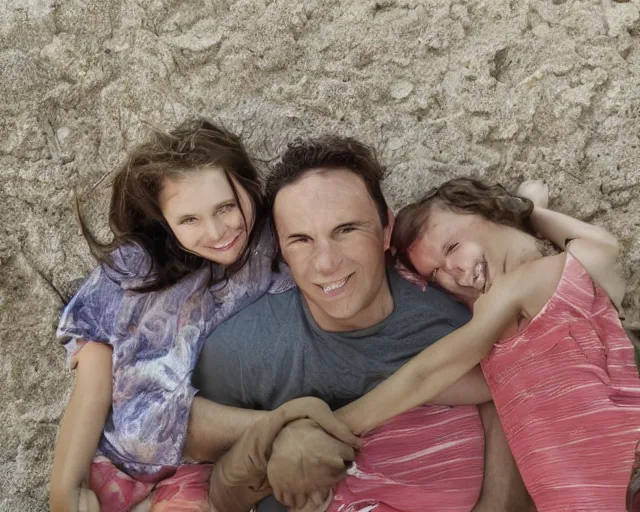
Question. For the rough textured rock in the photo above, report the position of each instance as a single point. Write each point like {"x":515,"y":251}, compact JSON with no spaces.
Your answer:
{"x":501,"y":89}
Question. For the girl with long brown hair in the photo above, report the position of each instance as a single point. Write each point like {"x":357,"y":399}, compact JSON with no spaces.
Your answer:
{"x":190,"y":247}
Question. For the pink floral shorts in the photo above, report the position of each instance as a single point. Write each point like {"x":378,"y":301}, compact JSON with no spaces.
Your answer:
{"x":184,"y":488}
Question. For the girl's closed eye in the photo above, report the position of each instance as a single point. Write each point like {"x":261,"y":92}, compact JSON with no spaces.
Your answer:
{"x":451,"y":247}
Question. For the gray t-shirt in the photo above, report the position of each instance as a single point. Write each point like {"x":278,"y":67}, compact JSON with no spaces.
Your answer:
{"x":273,"y":350}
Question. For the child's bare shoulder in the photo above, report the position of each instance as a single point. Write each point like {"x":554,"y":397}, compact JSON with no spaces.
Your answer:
{"x":599,"y":259}
{"x":539,"y":280}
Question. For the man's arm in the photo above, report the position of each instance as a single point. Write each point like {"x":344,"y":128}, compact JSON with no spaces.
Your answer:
{"x":502,"y":487}
{"x":213,"y":428}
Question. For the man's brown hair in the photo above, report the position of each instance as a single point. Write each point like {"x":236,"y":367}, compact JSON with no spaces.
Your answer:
{"x":329,"y":153}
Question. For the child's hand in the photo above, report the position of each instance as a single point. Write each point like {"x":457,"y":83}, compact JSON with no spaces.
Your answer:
{"x":505,"y":294}
{"x":88,"y":501}
{"x":535,"y":190}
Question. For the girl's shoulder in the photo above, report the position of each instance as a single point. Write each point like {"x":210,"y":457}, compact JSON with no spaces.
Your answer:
{"x":131,"y":267}
{"x":599,"y":259}
{"x":541,"y":277}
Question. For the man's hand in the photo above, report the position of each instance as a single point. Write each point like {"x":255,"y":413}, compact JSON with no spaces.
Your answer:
{"x":239,"y":478}
{"x":307,"y":462}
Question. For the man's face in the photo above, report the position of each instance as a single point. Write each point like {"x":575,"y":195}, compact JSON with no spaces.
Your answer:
{"x":331,"y":236}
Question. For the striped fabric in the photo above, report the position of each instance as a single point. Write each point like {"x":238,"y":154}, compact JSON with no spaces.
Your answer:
{"x":428,"y":459}
{"x":568,"y":395}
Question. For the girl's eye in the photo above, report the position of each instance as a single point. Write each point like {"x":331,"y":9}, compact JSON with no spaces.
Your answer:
{"x":188,"y":220}
{"x":226,"y":208}
{"x":452,"y":247}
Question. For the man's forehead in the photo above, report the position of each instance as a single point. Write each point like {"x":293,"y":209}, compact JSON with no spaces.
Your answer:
{"x":331,"y":181}
{"x":336,"y":195}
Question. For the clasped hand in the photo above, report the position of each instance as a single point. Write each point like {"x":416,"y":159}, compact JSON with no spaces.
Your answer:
{"x":301,"y":447}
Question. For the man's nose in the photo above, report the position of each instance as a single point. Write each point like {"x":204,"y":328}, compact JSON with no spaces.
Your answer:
{"x":327,"y":257}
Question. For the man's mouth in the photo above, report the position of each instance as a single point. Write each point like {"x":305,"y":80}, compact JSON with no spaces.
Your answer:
{"x":335,"y":287}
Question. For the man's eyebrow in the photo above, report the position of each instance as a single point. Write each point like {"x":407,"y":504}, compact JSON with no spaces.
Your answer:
{"x":353,"y":224}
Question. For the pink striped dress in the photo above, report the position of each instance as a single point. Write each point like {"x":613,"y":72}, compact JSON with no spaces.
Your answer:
{"x":428,"y":459}
{"x":568,"y":394}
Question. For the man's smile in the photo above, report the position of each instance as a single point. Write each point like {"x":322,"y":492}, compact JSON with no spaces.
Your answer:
{"x":335,"y":287}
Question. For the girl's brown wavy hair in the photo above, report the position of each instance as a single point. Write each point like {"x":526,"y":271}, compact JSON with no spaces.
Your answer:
{"x":135,"y":216}
{"x":460,"y":195}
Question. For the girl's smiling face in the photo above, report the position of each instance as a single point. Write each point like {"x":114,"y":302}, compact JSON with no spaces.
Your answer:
{"x":204,"y":215}
{"x":453,"y":250}
{"x":463,"y":253}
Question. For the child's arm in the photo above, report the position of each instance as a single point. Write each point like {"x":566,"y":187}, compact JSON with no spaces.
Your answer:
{"x":557,"y":227}
{"x":81,"y":427}
{"x":443,"y":363}
{"x":593,"y":246}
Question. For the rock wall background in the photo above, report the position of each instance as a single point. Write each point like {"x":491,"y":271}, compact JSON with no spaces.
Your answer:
{"x":500,"y":89}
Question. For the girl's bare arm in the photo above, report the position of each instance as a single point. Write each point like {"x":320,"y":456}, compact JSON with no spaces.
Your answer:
{"x":437,"y":367}
{"x":81,"y":427}
{"x":560,"y":228}
{"x":557,"y":227}
{"x":593,"y":246}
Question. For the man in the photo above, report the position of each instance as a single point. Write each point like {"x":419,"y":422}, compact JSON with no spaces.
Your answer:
{"x":351,"y":322}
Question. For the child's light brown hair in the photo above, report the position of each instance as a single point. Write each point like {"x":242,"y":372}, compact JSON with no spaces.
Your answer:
{"x":460,"y":195}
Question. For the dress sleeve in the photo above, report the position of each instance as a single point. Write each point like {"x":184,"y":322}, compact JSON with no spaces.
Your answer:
{"x":89,"y":316}
{"x":94,"y":312}
{"x":282,"y":280}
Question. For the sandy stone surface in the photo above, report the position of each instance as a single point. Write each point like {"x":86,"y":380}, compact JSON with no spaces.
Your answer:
{"x":499,"y":89}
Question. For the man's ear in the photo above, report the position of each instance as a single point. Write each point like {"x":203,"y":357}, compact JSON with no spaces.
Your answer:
{"x":389,"y":229}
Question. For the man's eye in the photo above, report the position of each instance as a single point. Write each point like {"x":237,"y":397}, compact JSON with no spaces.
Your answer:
{"x":347,"y":229}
